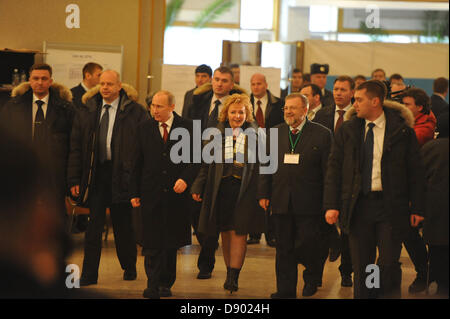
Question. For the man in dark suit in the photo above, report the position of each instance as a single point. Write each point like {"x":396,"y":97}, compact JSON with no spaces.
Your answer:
{"x":203,"y":74}
{"x":91,"y":77}
{"x":40,"y":113}
{"x":332,"y":117}
{"x":208,"y":101}
{"x":438,"y":103}
{"x":319,"y":77}
{"x":268,"y":112}
{"x":295,"y":194}
{"x":297,"y":83}
{"x":100,"y":163}
{"x":375,"y":186}
{"x":160,"y":185}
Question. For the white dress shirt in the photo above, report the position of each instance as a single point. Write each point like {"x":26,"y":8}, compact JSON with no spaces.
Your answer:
{"x":378,"y":139}
{"x":312,"y":112}
{"x":169,"y":123}
{"x":35,"y":109}
{"x":336,"y":114}
{"x":112,"y":118}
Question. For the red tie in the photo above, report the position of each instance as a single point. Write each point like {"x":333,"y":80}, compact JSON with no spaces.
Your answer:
{"x":166,"y":134}
{"x":259,"y":115}
{"x":340,"y":120}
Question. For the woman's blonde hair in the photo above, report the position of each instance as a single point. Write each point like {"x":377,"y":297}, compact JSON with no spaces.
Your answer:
{"x":237,"y":99}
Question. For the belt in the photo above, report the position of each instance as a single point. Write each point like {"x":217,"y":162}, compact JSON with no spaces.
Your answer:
{"x":374,"y":195}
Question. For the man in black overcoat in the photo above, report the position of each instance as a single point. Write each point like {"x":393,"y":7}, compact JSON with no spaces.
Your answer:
{"x":295,"y":193}
{"x":159,"y":184}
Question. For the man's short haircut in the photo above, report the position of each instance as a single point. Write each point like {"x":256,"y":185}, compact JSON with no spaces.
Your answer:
{"x":346,"y":78}
{"x":297,"y":71}
{"x":378,"y":70}
{"x":224,"y":69}
{"x":170,"y":96}
{"x":420,"y":98}
{"x":440,"y":85}
{"x":203,"y":68}
{"x":395,"y":76}
{"x":374,"y":88}
{"x":41,"y":66}
{"x":314,"y":88}
{"x":359,"y":77}
{"x":300,"y":96}
{"x":234,"y":66}
{"x":90,"y":68}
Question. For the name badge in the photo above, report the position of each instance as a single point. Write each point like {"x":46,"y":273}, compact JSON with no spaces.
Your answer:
{"x":291,"y":158}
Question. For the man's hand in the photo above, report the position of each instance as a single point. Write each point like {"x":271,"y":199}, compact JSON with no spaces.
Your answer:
{"x":135,"y":202}
{"x":180,"y":186}
{"x":331,"y":216}
{"x":264,"y":203}
{"x":196,"y":197}
{"x":415,"y":220}
{"x":75,"y":191}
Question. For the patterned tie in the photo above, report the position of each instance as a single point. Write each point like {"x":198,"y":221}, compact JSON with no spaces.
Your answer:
{"x":259,"y":115}
{"x":165,"y":133}
{"x":368,"y":161}
{"x":39,"y":128}
{"x":103,"y":134}
{"x":294,"y":131}
{"x":212,"y":119}
{"x":340,"y":120}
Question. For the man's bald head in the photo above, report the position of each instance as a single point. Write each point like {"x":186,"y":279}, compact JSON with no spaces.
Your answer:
{"x":110,"y":85}
{"x":258,"y":85}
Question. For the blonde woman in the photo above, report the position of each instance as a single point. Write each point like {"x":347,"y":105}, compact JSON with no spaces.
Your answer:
{"x":227,"y":189}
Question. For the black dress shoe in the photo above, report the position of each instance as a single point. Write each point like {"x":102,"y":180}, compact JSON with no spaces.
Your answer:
{"x":165,"y":292}
{"x":129,"y":275}
{"x":309,"y":290}
{"x":151,"y":294}
{"x":204,"y":275}
{"x":419,"y":284}
{"x":278,"y":295}
{"x":346,"y":281}
{"x":87,"y":281}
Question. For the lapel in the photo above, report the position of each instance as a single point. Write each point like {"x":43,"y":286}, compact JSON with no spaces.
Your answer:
{"x":283,"y":138}
{"x":52,"y":111}
{"x":304,"y":138}
{"x":268,"y":108}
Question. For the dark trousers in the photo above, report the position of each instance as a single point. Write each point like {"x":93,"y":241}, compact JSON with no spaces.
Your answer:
{"x":208,"y":244}
{"x":370,"y":229}
{"x":346,"y":267}
{"x":269,"y":228}
{"x":439,"y":267}
{"x":99,"y":200}
{"x":161,"y":268}
{"x":417,"y":251}
{"x":299,"y":239}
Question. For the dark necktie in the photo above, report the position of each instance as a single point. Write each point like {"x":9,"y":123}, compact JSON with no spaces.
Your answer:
{"x":103,"y":134}
{"x":340,"y":120}
{"x":212,"y":120}
{"x":368,"y":161}
{"x":39,"y":128}
{"x":166,"y":134}
{"x":259,"y":115}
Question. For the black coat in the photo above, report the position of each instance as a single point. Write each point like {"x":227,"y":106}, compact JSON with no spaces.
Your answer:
{"x":301,"y":184}
{"x":325,"y":116}
{"x":273,"y":114}
{"x":188,"y":100}
{"x":327,"y":99}
{"x":83,"y":143}
{"x":438,"y":105}
{"x":435,"y":158}
{"x":77,"y":93}
{"x":402,"y":172}
{"x":166,"y":219}
{"x":248,"y":215}
{"x":16,"y":117}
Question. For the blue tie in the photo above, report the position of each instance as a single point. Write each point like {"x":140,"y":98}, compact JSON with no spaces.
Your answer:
{"x":368,"y":161}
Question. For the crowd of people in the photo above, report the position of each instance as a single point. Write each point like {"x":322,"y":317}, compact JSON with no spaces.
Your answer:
{"x":361,"y":168}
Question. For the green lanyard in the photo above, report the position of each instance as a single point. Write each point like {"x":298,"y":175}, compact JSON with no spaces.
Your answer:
{"x":293,"y":145}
